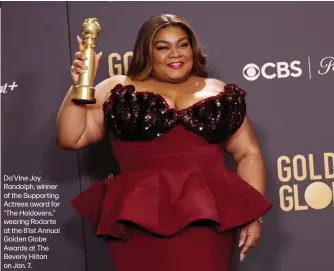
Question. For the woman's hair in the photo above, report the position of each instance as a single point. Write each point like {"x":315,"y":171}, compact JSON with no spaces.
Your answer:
{"x":141,"y":64}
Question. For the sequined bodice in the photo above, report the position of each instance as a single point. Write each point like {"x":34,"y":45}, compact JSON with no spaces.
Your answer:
{"x":169,"y":177}
{"x":142,"y":116}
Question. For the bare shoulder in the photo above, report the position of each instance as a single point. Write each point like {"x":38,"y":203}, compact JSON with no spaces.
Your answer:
{"x":103,"y":88}
{"x":215,"y":84}
{"x":112,"y":81}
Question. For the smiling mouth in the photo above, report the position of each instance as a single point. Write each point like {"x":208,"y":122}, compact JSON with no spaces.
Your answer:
{"x":175,"y":65}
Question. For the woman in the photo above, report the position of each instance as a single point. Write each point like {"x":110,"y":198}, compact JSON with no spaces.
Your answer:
{"x":174,"y":206}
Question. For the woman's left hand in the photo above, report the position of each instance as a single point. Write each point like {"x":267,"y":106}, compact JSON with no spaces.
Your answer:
{"x":249,"y":237}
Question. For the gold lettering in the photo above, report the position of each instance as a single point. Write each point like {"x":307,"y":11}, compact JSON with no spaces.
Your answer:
{"x":311,"y":167}
{"x":333,"y":192}
{"x":113,"y":66}
{"x":286,"y":201}
{"x":298,"y":207}
{"x":126,"y":61}
{"x":286,"y":169}
{"x":327,"y":157}
{"x":296,"y":172}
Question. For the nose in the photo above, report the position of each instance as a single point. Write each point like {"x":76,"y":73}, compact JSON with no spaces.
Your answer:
{"x":175,"y":52}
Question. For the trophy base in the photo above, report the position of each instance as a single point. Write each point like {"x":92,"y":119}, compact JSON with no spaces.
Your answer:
{"x":83,"y":95}
{"x":83,"y":101}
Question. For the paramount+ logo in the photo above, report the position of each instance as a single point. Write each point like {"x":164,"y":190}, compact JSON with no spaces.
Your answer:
{"x":272,"y":70}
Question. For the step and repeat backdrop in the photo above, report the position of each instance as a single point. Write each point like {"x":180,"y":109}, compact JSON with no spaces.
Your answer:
{"x":281,"y":53}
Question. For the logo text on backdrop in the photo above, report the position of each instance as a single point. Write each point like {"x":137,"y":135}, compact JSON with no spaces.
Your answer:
{"x":304,"y":186}
{"x":119,"y":64}
{"x":272,"y":70}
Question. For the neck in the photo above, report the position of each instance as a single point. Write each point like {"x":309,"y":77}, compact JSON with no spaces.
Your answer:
{"x":181,"y":81}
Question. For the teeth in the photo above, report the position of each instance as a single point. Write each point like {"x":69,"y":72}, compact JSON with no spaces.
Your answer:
{"x":176,"y":64}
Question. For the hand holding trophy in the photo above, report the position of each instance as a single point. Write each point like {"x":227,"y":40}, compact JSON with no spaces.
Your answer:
{"x":84,"y":68}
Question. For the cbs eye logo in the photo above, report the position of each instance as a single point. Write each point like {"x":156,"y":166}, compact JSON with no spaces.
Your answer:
{"x":271,"y":70}
{"x":251,"y":72}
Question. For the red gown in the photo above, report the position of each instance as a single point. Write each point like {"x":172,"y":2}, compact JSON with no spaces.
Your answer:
{"x":174,"y":206}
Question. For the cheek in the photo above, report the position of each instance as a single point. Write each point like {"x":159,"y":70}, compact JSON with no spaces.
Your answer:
{"x":189,"y":55}
{"x":158,"y":59}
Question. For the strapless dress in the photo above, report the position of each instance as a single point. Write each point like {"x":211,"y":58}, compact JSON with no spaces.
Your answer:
{"x":174,"y":205}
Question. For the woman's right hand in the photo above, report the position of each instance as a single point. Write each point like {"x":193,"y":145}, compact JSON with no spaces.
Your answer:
{"x":78,"y":65}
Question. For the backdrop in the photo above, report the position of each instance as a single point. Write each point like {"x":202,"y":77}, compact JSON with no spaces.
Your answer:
{"x":281,"y":53}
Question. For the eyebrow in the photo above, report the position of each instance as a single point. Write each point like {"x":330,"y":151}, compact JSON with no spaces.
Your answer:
{"x":165,"y":41}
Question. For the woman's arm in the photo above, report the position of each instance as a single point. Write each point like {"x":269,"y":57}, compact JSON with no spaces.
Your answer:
{"x":80,"y":125}
{"x":246,"y":153}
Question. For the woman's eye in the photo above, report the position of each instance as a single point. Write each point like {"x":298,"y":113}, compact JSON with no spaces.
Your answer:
{"x":162,"y":48}
{"x":184,"y":44}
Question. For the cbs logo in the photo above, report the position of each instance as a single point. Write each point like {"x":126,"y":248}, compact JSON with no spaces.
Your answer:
{"x":271,"y":70}
{"x":119,"y":64}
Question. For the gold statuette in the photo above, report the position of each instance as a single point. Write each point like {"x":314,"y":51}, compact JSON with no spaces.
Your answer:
{"x":84,"y":92}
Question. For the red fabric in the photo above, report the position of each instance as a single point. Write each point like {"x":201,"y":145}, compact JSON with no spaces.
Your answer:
{"x":167,"y":184}
{"x":196,"y":248}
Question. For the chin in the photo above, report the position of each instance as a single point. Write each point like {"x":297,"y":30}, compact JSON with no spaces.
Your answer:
{"x":178,"y":77}
{"x":172,"y":77}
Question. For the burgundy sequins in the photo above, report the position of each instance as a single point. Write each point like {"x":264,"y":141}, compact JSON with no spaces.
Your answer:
{"x":143,"y":116}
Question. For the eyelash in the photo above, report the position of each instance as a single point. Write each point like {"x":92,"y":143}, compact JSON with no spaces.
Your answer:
{"x":165,"y":47}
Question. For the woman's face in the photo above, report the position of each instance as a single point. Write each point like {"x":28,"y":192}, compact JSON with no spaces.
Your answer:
{"x":172,"y":55}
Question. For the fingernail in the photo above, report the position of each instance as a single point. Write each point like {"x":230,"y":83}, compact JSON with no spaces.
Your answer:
{"x":100,"y":54}
{"x":242,"y":257}
{"x":241,"y":243}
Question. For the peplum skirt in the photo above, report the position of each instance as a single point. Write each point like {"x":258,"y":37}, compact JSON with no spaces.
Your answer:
{"x":171,"y":220}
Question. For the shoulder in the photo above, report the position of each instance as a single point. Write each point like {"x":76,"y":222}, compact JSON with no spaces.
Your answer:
{"x":215,"y":84}
{"x":104,"y":87}
{"x":112,"y":81}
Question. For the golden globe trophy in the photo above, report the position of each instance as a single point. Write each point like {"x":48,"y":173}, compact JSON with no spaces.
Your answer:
{"x":84,"y":92}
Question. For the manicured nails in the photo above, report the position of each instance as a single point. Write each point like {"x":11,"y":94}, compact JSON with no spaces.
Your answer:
{"x":242,"y":257}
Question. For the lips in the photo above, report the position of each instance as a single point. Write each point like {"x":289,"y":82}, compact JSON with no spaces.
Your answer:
{"x":175,"y":65}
